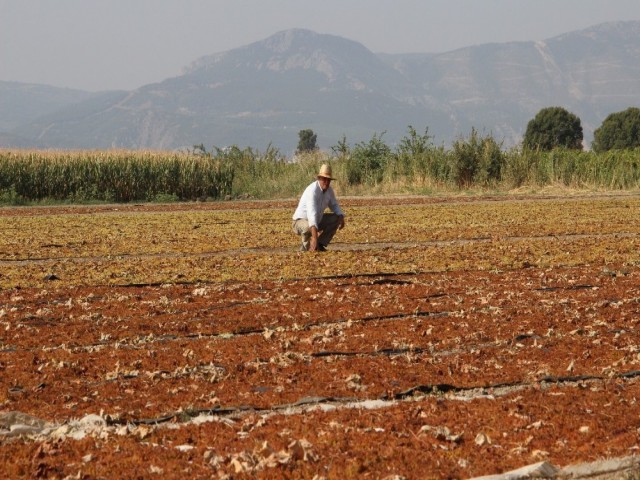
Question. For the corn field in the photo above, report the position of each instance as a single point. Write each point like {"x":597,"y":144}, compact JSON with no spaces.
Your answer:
{"x":111,"y":176}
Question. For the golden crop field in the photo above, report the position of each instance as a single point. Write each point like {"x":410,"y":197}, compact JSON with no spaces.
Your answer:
{"x":149,"y":244}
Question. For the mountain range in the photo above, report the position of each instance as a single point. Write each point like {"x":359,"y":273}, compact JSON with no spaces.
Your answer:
{"x":264,"y":93}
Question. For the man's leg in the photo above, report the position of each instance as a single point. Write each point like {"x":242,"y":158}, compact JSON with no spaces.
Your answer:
{"x":301,"y":227}
{"x":329,"y":226}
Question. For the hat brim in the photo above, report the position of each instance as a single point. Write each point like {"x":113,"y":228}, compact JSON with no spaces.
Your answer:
{"x":325,"y":176}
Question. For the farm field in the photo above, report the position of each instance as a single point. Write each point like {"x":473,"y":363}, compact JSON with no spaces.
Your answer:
{"x":439,"y":337}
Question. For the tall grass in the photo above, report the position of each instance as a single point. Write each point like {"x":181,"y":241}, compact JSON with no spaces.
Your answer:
{"x":613,"y":170}
{"x":414,"y":166}
{"x":268,"y":174}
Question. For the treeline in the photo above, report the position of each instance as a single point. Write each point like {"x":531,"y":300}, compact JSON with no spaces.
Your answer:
{"x":414,"y":165}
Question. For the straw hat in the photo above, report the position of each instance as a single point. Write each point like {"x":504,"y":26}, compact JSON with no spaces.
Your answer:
{"x":325,"y":171}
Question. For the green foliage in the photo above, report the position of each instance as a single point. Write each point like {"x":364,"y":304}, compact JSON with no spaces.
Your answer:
{"x":561,"y":166}
{"x":307,"y":141}
{"x":619,"y":131}
{"x":255,"y":174}
{"x":416,"y":159}
{"x":8,"y":196}
{"x":612,"y":170}
{"x":415,"y":144}
{"x":341,"y":149}
{"x":518,"y":167}
{"x":415,"y":166}
{"x":553,"y":127}
{"x":476,"y":160}
{"x":367,"y":161}
{"x":412,"y":150}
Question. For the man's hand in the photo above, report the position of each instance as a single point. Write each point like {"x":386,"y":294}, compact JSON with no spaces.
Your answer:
{"x":313,"y":242}
{"x":341,"y":223}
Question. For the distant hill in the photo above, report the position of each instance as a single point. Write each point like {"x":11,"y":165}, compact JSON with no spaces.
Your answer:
{"x":267,"y":91}
{"x":23,"y":102}
{"x":8,"y":140}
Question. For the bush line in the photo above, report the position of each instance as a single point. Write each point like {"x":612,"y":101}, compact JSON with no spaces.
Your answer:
{"x":415,"y":165}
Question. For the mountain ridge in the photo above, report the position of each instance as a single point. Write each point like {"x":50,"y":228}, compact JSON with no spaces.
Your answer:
{"x":265,"y":92}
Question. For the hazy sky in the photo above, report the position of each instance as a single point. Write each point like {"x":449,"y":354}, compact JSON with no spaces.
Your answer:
{"x":123,"y":44}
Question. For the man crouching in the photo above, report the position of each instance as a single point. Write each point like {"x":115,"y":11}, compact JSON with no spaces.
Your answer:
{"x":316,"y":227}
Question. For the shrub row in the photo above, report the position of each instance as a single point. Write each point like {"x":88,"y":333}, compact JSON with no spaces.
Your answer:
{"x":480,"y":162}
{"x":415,"y":165}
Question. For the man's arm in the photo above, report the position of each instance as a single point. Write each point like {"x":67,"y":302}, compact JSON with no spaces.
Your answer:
{"x":313,"y":242}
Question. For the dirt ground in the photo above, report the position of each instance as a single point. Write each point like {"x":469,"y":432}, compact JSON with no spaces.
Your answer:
{"x":451,"y":372}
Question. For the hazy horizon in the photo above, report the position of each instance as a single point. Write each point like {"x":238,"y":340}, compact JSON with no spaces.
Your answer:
{"x":123,"y":44}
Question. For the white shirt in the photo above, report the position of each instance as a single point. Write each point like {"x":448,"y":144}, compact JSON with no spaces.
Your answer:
{"x":314,"y":202}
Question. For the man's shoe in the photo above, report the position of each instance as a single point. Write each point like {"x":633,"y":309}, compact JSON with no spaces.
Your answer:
{"x":321,"y":248}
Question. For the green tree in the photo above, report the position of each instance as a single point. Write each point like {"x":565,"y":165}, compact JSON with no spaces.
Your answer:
{"x":619,"y":131}
{"x":367,"y":161}
{"x":341,"y":150}
{"x":307,"y":141}
{"x":477,"y":159}
{"x":553,"y":127}
{"x":415,"y":144}
{"x":413,"y":153}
